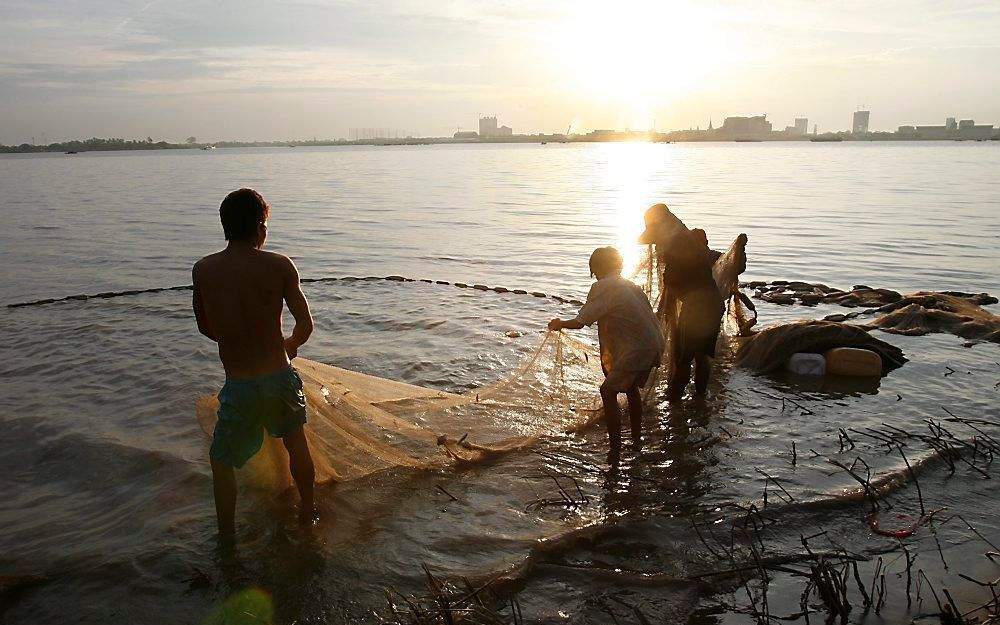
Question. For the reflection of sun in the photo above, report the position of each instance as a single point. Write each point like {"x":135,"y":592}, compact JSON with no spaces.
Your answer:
{"x":630,"y":169}
{"x":637,"y":55}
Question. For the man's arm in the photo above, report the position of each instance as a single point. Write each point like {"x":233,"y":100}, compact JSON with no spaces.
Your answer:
{"x":568,"y":324}
{"x":199,"y":308}
{"x":295,"y":299}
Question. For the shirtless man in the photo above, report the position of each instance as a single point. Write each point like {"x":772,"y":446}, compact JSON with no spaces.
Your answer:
{"x":238,"y":295}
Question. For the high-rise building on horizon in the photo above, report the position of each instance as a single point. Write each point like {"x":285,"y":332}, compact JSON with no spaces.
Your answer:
{"x":488,"y":126}
{"x":801,"y":125}
{"x":745,"y":126}
{"x":966,"y":129}
{"x":860,"y":125}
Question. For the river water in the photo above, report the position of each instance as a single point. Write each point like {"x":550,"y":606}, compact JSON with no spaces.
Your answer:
{"x":106,"y":488}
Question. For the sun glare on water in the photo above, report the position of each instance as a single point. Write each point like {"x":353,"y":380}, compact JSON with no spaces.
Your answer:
{"x":630,"y":171}
{"x":637,"y":56}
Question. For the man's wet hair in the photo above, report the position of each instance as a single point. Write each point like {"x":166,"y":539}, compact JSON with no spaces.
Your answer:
{"x":605,"y":260}
{"x":242,"y":212}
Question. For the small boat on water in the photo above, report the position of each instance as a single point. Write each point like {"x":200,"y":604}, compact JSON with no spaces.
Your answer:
{"x":72,"y":152}
{"x":826,"y":139}
{"x":208,"y":147}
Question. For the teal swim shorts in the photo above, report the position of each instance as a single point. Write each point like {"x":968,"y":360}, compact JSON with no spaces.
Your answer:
{"x":246,"y":407}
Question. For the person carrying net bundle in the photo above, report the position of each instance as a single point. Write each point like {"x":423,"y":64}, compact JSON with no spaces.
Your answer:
{"x":631,"y":342}
{"x":689,"y":285}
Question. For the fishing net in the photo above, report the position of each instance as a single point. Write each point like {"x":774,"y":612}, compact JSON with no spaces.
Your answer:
{"x":916,"y":314}
{"x":769,"y":349}
{"x":650,"y":271}
{"x":741,"y":314}
{"x":956,"y":313}
{"x":359,"y":424}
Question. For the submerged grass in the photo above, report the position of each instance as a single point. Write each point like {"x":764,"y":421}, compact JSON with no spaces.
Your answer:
{"x":449,"y":604}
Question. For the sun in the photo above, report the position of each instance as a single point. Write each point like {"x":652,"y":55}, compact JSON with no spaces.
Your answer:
{"x":637,"y":56}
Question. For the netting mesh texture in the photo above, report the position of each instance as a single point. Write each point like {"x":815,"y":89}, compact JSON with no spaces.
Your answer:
{"x":359,"y":424}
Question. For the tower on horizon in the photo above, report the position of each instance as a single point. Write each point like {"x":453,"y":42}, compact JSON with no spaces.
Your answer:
{"x":488,"y":126}
{"x":860,"y":125}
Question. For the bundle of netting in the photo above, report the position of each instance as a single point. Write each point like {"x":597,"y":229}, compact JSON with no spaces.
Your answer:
{"x":359,"y":424}
{"x":956,"y":313}
{"x":769,"y":349}
{"x":741,"y":314}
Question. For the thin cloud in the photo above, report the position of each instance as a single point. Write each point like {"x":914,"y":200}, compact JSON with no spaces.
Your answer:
{"x":455,"y":58}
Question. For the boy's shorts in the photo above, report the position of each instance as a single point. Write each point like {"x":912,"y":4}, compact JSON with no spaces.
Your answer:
{"x":246,"y":407}
{"x":623,"y":381}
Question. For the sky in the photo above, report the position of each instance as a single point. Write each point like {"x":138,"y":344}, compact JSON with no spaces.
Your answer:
{"x":252,"y":70}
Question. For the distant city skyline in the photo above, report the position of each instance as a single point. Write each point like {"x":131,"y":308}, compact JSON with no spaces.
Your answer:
{"x":732,"y":127}
{"x":270,"y":71}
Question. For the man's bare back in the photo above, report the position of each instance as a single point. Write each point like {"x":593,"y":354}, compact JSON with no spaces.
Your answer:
{"x":238,"y":298}
{"x":239,"y":293}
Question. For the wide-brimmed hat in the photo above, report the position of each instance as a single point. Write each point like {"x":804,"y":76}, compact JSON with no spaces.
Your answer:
{"x":655,"y":214}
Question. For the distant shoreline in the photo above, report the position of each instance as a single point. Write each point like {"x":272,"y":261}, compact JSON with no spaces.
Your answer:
{"x":117,"y":145}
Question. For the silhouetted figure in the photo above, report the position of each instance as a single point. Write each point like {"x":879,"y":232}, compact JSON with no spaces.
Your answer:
{"x":687,"y":283}
{"x":630,"y":340}
{"x":238,"y":297}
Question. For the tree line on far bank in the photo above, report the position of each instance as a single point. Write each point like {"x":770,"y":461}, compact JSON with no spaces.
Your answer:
{"x":96,"y":145}
{"x":104,"y":145}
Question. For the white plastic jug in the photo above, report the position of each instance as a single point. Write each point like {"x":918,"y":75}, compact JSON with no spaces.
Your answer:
{"x":807,"y":364}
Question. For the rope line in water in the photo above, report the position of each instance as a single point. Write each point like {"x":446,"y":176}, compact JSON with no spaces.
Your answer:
{"x":188,"y":287}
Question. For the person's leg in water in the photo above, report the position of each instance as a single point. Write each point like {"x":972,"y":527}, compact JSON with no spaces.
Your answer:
{"x":224,"y":487}
{"x":702,"y":373}
{"x":635,"y":415}
{"x":612,"y":418}
{"x":303,"y":472}
{"x":679,"y":377}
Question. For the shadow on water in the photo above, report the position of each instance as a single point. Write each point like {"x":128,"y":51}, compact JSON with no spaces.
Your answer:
{"x":828,"y":386}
